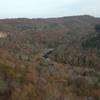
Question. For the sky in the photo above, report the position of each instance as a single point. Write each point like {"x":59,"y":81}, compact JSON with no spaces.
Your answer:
{"x":48,"y":8}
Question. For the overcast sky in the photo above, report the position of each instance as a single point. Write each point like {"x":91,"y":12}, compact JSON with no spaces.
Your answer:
{"x":48,"y":8}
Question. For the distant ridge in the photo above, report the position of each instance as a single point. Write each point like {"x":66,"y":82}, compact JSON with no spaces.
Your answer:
{"x":51,"y":17}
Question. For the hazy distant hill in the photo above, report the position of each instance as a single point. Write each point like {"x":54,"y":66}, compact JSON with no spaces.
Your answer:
{"x":74,"y":24}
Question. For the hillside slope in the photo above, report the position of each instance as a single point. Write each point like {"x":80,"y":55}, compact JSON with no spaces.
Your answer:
{"x":50,"y":59}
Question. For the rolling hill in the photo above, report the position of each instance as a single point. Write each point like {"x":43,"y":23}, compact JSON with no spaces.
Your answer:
{"x":50,"y":59}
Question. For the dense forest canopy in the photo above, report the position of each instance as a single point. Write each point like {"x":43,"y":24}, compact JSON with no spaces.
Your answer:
{"x":50,"y":59}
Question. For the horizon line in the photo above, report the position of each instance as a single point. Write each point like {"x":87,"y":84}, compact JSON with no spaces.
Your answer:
{"x":50,"y":17}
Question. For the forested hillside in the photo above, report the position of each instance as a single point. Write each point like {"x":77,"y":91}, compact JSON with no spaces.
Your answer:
{"x":50,"y":59}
